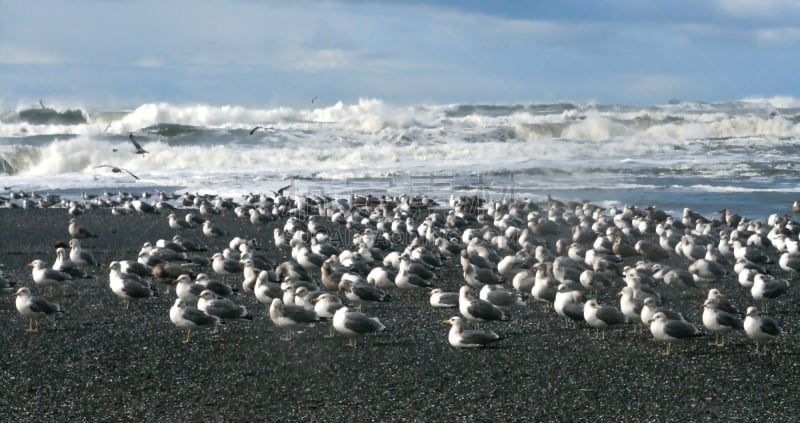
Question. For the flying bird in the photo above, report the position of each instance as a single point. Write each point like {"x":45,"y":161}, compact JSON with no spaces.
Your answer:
{"x":116,"y":169}
{"x":41,"y":103}
{"x":138,"y":148}
{"x":281,"y":190}
{"x":267,"y":128}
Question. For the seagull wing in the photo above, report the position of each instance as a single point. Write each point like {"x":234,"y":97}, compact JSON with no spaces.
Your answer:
{"x":680,"y":329}
{"x":139,"y":149}
{"x":129,"y":173}
{"x":476,"y":337}
{"x":41,"y":305}
{"x":770,"y":326}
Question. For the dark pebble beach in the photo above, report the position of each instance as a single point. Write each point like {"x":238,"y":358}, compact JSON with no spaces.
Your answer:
{"x":101,"y":362}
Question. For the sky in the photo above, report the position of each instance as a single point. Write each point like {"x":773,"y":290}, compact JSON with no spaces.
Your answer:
{"x":114,"y":53}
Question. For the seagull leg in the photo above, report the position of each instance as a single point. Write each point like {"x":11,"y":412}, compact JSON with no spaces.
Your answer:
{"x":667,"y":352}
{"x":188,"y":336}
{"x":352,"y":341}
{"x":288,"y":336}
{"x":331,"y":333}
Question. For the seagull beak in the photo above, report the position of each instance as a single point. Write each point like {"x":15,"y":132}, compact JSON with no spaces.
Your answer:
{"x":29,"y":264}
{"x":428,"y":293}
{"x":619,"y":294}
{"x":315,"y":300}
{"x":447,"y":322}
{"x":721,"y":295}
{"x":15,"y":294}
{"x":651,"y":321}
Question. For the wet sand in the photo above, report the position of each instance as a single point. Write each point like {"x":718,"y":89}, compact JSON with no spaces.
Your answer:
{"x":99,"y":361}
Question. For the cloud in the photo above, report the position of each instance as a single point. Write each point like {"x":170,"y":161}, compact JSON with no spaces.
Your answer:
{"x":322,"y":60}
{"x":782,"y":36}
{"x":440,"y":51}
{"x":16,"y":55}
{"x":759,"y":9}
{"x":149,"y":62}
{"x":657,"y":85}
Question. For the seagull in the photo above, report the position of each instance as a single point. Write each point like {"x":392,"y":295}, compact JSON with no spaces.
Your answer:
{"x":466,"y":338}
{"x":360,"y":292}
{"x":722,"y":303}
{"x":116,"y":169}
{"x":501,"y":297}
{"x":253,"y":131}
{"x":266,"y":290}
{"x":34,"y":307}
{"x":478,"y":310}
{"x":664,"y":329}
{"x":407,"y":281}
{"x":64,"y":264}
{"x":78,"y":231}
{"x":719,"y":321}
{"x":210,"y":230}
{"x":760,"y":328}
{"x":223,"y":308}
{"x":41,"y":104}
{"x":290,"y":316}
{"x":80,"y":256}
{"x":631,"y":307}
{"x":187,"y":290}
{"x":650,"y":308}
{"x":602,"y":316}
{"x":127,"y":285}
{"x":766,"y":287}
{"x":218,"y":287}
{"x":568,"y":303}
{"x":325,"y":306}
{"x":442,"y":299}
{"x":190,"y":318}
{"x":178,"y":224}
{"x":138,"y":148}
{"x":46,"y":277}
{"x":352,"y":323}
{"x":223,"y":266}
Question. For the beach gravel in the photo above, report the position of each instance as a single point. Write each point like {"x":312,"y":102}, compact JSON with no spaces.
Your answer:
{"x":101,"y":362}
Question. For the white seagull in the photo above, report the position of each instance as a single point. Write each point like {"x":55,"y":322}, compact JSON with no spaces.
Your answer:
{"x":466,"y":338}
{"x":352,"y":323}
{"x":190,"y":318}
{"x":34,"y":307}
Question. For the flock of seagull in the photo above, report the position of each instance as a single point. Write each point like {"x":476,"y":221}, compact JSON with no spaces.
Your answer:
{"x":570,"y":257}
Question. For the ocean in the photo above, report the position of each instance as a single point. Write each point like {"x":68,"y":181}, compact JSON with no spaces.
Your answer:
{"x":741,"y":155}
